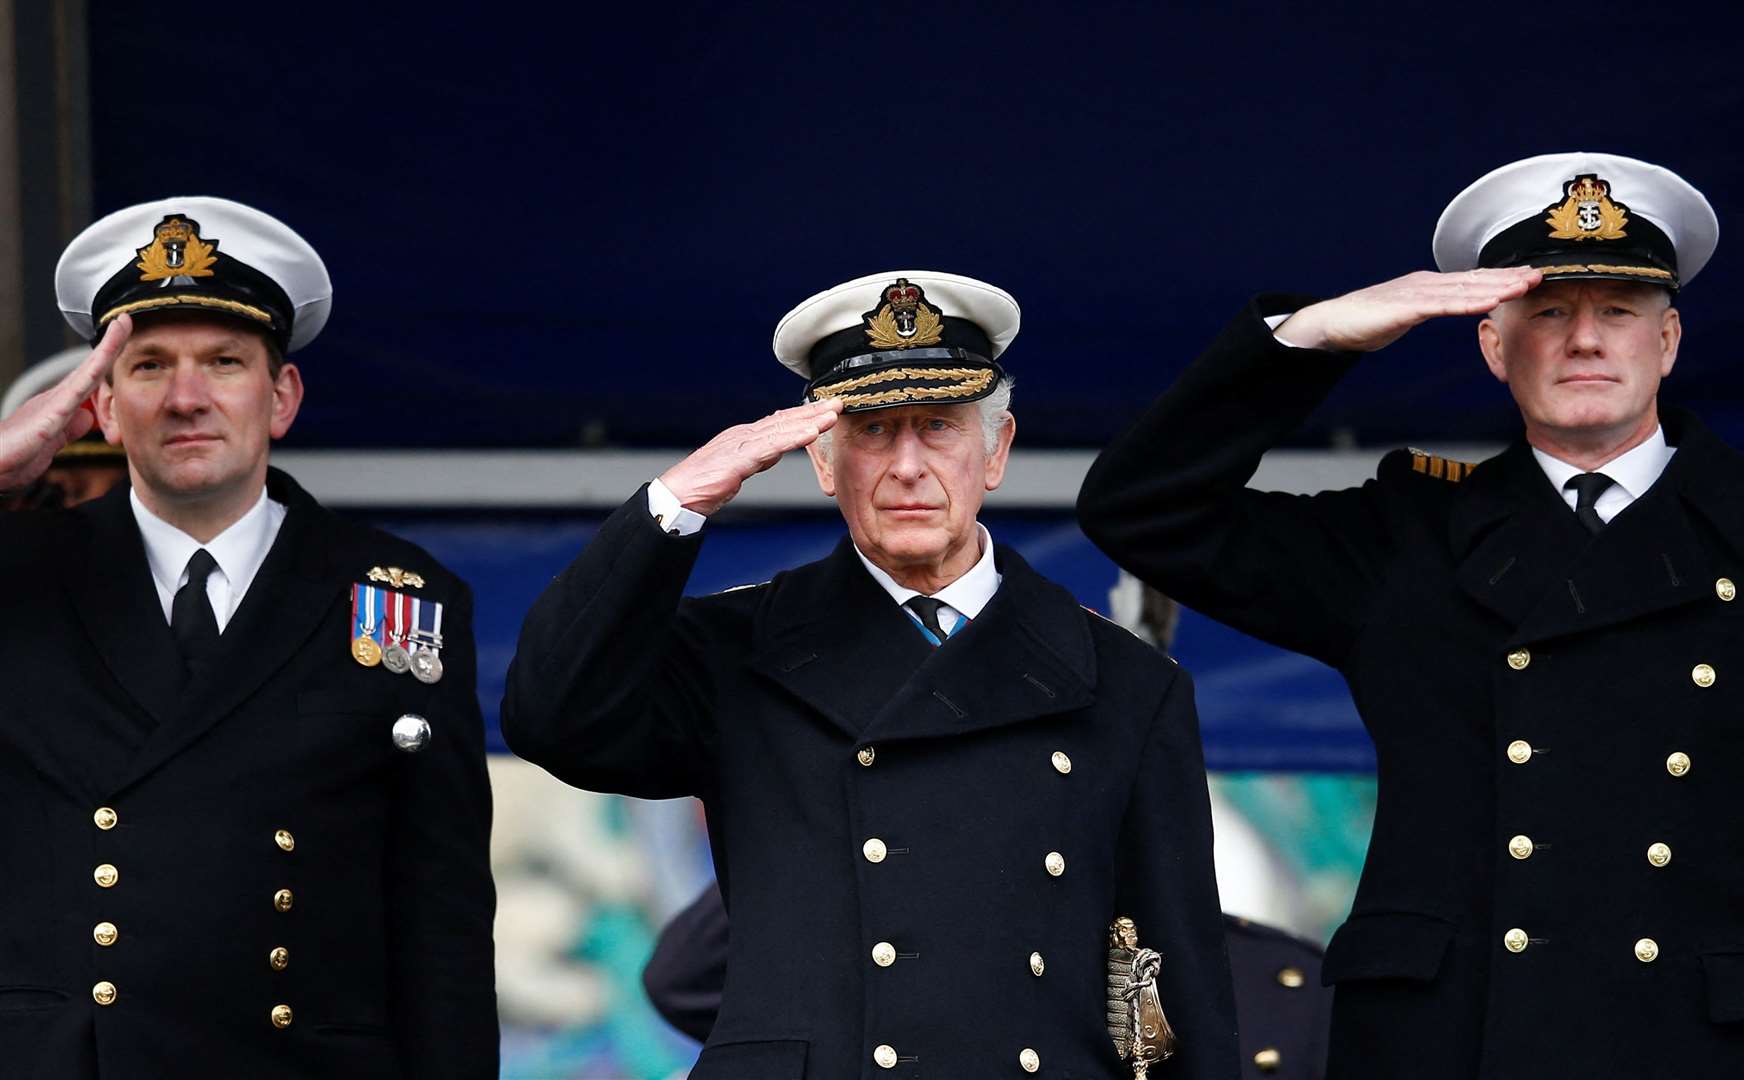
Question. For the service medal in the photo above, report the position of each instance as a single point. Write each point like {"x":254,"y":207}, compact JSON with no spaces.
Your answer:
{"x":426,"y":665}
{"x":426,"y":641}
{"x":365,"y":648}
{"x":365,"y":651}
{"x":396,"y":659}
{"x":396,"y":624}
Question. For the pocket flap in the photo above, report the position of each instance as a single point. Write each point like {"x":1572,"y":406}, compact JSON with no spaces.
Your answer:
{"x":777,"y":1059}
{"x":1723,"y":970}
{"x":1387,"y":945}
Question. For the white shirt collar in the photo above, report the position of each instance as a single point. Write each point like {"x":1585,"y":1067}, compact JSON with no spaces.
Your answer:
{"x":967,"y":595}
{"x":1634,"y":472}
{"x":239,"y":552}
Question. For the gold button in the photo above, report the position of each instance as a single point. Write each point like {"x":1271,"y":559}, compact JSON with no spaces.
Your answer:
{"x":874,"y":850}
{"x":1056,"y":863}
{"x":1291,"y":978}
{"x":867,"y":755}
{"x":1036,"y":964}
{"x":1678,"y":763}
{"x":1029,"y":1059}
{"x":281,"y":1016}
{"x":106,"y":875}
{"x":1062,"y":763}
{"x":884,"y":1056}
{"x":1519,"y":658}
{"x":1703,"y":675}
{"x":104,"y":933}
{"x":1515,"y":940}
{"x":282,"y":900}
{"x":105,"y":818}
{"x":1647,"y":950}
{"x":1725,"y":590}
{"x":1519,"y":751}
{"x":284,"y":840}
{"x":279,"y":959}
{"x":884,"y":954}
{"x":1520,"y":847}
{"x":1659,"y":854}
{"x":103,"y":993}
{"x":1268,"y":1060}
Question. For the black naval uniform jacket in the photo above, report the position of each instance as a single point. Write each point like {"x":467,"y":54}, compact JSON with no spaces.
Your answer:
{"x":1547,"y":706}
{"x":882,"y":814}
{"x":262,"y":807}
{"x":1280,"y":1006}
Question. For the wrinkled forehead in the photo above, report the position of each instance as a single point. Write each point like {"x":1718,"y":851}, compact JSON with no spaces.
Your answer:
{"x":906,"y":415}
{"x":1570,"y":289}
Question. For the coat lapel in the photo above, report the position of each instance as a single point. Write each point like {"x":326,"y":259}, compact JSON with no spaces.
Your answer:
{"x":835,"y":640}
{"x":284,"y":606}
{"x":117,"y":601}
{"x":1524,"y":556}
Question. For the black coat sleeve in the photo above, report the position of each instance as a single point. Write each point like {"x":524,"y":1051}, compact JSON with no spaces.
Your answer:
{"x":1168,"y":886}
{"x":1168,"y":499}
{"x":611,"y":687}
{"x":687,"y":973}
{"x":441,"y":902}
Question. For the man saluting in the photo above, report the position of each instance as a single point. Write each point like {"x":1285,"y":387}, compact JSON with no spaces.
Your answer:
{"x":933,"y":780}
{"x":1543,"y":647}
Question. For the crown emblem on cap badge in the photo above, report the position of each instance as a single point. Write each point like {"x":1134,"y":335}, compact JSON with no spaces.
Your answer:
{"x":1587,"y":212}
{"x":904,"y":321}
{"x":176,"y":250}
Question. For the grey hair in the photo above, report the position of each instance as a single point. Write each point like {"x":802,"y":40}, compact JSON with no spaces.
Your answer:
{"x":995,"y":414}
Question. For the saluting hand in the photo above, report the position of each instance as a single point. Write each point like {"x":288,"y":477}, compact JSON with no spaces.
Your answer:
{"x":30,"y":437}
{"x":709,"y":478}
{"x":1367,"y":319}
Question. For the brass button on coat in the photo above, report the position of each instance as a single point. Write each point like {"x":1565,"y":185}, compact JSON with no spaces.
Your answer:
{"x":1036,"y":964}
{"x":284,"y":840}
{"x":103,"y":993}
{"x":1268,"y":1060}
{"x":1725,"y":590}
{"x":279,"y":959}
{"x":1678,"y":763}
{"x":1519,"y":658}
{"x":867,"y":755}
{"x":1647,"y":950}
{"x":874,"y":850}
{"x":105,"y":818}
{"x":1520,"y":847}
{"x":1055,"y":863}
{"x":106,"y":875}
{"x":1702,"y":675}
{"x":1062,"y":763}
{"x":1291,"y":978}
{"x":104,"y":933}
{"x":884,"y":1056}
{"x":884,"y":954}
{"x":1659,"y":854}
{"x":281,"y":1016}
{"x":1029,"y":1059}
{"x":282,"y":900}
{"x":1519,"y":751}
{"x":1515,"y":940}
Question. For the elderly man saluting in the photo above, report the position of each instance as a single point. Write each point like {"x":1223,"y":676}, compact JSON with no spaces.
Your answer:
{"x":933,"y":780}
{"x":1543,"y":647}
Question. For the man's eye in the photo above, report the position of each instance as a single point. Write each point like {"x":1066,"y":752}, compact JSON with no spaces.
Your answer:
{"x":936,"y":425}
{"x":872,"y":429}
{"x":229,"y":361}
{"x":1547,"y":313}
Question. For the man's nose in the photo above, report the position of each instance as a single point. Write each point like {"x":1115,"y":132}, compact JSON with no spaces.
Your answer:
{"x":908,"y":459}
{"x":188,"y":389}
{"x":1583,"y":332}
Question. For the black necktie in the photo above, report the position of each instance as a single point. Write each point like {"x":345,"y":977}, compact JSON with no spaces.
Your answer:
{"x":1587,"y":489}
{"x":926,"y":609}
{"x":191,"y":618}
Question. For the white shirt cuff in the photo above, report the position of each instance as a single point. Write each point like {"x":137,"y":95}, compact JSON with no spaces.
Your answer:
{"x":1275,"y":321}
{"x":673,"y":518}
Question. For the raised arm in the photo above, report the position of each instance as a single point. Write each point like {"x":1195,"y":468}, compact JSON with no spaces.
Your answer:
{"x":1168,"y":499}
{"x":31,"y":436}
{"x":611,"y":687}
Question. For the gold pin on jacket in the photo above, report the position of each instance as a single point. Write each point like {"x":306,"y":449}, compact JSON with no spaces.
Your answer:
{"x":396,"y":578}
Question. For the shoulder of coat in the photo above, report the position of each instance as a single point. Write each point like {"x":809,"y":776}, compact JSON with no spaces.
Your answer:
{"x":1414,"y":463}
{"x":740,"y":588}
{"x":1127,"y":630}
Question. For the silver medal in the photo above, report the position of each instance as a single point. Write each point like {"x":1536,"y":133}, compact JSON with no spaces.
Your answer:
{"x":426,"y":665}
{"x":411,"y":733}
{"x":396,"y":659}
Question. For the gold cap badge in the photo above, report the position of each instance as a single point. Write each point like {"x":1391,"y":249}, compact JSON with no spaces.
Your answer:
{"x":1587,"y":212}
{"x":905,"y":321}
{"x":176,"y":250}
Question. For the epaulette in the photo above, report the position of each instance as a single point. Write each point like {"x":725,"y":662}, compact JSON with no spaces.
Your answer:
{"x":1439,"y":468}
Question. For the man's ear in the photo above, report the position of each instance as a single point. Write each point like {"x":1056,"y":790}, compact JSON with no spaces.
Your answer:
{"x":820,"y":464}
{"x":1490,"y":344}
{"x":287,"y":399}
{"x":105,"y":406}
{"x":1001,"y":455}
{"x":1670,"y":333}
